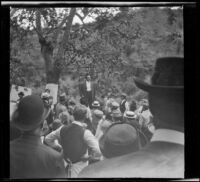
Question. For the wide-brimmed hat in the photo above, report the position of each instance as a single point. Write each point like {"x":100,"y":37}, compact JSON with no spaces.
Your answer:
{"x":130,"y":115}
{"x":95,"y":104}
{"x":168,"y":76}
{"x":119,"y":139}
{"x":30,"y":113}
{"x":21,"y":94}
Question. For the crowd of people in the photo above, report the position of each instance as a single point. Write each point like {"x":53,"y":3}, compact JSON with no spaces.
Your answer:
{"x":77,"y":138}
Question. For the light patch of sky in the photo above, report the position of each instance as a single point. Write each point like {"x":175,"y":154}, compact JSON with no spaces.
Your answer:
{"x":88,"y":19}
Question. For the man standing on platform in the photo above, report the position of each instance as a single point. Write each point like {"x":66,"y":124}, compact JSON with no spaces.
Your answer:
{"x":87,"y":90}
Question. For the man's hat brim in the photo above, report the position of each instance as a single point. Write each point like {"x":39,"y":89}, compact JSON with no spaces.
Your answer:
{"x":23,"y":127}
{"x":155,"y":88}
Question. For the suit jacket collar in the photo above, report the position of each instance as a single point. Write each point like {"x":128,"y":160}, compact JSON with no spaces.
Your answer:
{"x":167,"y":135}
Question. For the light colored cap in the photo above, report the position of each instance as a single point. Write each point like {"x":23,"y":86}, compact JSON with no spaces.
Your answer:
{"x":130,"y":114}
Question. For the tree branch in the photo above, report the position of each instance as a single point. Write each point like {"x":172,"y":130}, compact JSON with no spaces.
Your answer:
{"x":58,"y":28}
{"x":13,"y":11}
{"x":38,"y":27}
{"x":66,"y":33}
{"x":80,"y":17}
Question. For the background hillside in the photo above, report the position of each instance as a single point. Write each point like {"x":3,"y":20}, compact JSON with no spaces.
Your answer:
{"x":113,"y":48}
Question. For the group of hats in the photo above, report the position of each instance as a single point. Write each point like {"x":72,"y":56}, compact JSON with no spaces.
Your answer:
{"x":168,"y":77}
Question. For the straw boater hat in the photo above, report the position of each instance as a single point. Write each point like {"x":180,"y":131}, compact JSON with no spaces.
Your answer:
{"x":95,"y":104}
{"x":168,"y":77}
{"x":30,"y":113}
{"x":130,"y":115}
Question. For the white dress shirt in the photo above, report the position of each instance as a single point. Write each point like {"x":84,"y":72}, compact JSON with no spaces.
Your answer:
{"x":168,"y":135}
{"x":52,"y":138}
{"x":88,"y":86}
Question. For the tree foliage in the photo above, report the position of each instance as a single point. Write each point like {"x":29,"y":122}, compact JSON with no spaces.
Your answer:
{"x":119,"y":44}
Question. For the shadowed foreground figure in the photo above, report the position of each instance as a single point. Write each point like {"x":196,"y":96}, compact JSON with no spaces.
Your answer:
{"x":29,"y":158}
{"x":163,"y":157}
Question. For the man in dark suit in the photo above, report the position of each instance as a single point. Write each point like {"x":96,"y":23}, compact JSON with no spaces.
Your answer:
{"x":163,"y":157}
{"x":87,"y":90}
{"x":29,"y":158}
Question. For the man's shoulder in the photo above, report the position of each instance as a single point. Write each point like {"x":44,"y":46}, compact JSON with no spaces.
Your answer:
{"x":42,"y":150}
{"x":50,"y":152}
{"x":139,"y":164}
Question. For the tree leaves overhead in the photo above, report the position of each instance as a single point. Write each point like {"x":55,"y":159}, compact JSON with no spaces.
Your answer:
{"x":121,"y":40}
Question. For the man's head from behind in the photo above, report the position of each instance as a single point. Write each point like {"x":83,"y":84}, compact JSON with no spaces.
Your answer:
{"x":80,"y":113}
{"x":167,"y":108}
{"x":30,"y":113}
{"x":119,"y":139}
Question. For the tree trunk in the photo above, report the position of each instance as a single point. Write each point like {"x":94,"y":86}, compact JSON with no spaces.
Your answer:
{"x":47,"y":53}
{"x":59,"y":60}
{"x":54,"y":67}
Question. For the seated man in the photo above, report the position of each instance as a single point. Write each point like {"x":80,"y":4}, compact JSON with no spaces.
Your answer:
{"x":164,"y":156}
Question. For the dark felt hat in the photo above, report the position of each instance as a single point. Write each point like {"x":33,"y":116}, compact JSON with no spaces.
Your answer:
{"x":168,"y":76}
{"x":21,"y":93}
{"x":119,"y":139}
{"x":30,"y":113}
